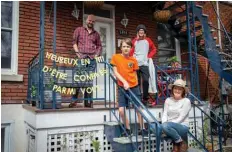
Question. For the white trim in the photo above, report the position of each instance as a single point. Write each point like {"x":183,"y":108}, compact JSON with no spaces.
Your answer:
{"x":14,"y":42}
{"x":8,"y":141}
{"x":18,"y":78}
{"x":111,"y":21}
{"x":178,"y":53}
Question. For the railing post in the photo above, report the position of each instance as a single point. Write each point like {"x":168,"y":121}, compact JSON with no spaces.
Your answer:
{"x":54,"y":52}
{"x":220,"y":134}
{"x":41,"y":56}
{"x":158,"y":137}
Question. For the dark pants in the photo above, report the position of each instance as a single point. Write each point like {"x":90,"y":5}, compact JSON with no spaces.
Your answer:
{"x":144,"y":72}
{"x":89,"y":68}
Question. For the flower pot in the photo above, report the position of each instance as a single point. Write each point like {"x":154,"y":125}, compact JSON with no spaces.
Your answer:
{"x":93,"y":4}
{"x":162,"y":16}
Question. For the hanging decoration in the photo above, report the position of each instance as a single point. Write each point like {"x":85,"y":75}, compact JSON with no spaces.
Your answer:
{"x":162,"y":16}
{"x":76,"y":12}
{"x":124,"y":21}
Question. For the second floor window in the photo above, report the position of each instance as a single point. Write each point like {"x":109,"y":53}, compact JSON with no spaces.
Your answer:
{"x":9,"y":37}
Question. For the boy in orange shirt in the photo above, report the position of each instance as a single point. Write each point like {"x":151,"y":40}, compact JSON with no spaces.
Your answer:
{"x":125,"y":67}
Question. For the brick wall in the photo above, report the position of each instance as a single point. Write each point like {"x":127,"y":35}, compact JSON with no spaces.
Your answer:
{"x":136,"y":15}
{"x":213,"y":80}
{"x":28,"y":46}
{"x":13,"y":92}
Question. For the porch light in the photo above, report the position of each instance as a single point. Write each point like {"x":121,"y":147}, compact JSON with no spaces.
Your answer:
{"x":93,"y":4}
{"x":124,"y":21}
{"x":75,"y":12}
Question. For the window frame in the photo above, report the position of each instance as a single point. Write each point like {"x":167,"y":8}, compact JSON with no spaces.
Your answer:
{"x":8,"y":136}
{"x":14,"y":41}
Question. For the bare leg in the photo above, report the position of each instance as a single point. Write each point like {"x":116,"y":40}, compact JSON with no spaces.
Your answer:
{"x":140,"y":119}
{"x":123,"y":117}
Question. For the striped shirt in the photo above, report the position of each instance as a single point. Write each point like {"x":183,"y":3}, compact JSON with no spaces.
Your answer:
{"x":89,"y":44}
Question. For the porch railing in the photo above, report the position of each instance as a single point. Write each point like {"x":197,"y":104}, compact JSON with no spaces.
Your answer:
{"x":207,"y":128}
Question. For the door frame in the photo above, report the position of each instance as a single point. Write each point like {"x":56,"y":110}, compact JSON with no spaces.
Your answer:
{"x":110,"y":21}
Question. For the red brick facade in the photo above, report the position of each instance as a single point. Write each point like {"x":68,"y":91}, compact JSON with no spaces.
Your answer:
{"x":29,"y":13}
{"x":213,"y":79}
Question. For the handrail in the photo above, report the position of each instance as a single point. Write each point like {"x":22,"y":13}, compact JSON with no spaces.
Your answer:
{"x":221,"y":23}
{"x":33,"y":59}
{"x":133,"y":99}
{"x":133,"y":95}
{"x":195,"y":98}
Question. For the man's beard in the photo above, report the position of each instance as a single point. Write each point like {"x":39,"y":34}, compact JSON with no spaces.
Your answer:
{"x":89,"y":25}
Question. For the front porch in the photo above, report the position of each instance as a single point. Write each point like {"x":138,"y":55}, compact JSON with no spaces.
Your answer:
{"x":52,"y":83}
{"x":75,"y":130}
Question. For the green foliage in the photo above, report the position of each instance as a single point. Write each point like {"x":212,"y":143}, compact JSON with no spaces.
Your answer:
{"x":96,"y":145}
{"x":51,"y":83}
{"x":33,"y":91}
{"x":173,"y":59}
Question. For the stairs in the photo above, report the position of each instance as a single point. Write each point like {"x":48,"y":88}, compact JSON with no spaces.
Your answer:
{"x":218,"y":64}
{"x":220,"y":60}
{"x":213,"y":53}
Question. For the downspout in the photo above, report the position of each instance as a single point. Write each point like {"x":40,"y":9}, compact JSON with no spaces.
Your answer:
{"x":219,"y":26}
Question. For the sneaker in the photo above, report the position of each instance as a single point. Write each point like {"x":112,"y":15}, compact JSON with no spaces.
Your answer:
{"x":143,"y":132}
{"x":145,"y":102}
{"x":127,"y":133}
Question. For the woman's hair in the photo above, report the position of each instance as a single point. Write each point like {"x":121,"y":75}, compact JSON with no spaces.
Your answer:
{"x":183,"y":93}
{"x":127,"y":41}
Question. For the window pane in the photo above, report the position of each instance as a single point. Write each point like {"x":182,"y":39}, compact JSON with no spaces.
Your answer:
{"x":6,"y":49}
{"x":6,"y":13}
{"x":2,"y":139}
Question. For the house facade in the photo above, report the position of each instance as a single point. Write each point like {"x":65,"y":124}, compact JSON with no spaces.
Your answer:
{"x":20,"y":43}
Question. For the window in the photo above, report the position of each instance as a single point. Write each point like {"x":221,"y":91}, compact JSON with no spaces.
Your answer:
{"x":9,"y":37}
{"x":168,"y":45}
{"x":6,"y":137}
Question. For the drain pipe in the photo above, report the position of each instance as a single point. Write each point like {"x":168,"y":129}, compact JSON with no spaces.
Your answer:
{"x":219,"y":26}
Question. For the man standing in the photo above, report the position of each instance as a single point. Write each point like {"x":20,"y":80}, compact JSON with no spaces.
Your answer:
{"x":87,"y":45}
{"x":143,"y":49}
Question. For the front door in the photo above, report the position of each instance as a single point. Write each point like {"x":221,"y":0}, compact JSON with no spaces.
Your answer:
{"x":104,"y":30}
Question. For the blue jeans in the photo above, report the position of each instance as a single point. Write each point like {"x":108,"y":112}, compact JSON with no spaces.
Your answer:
{"x":175,"y":131}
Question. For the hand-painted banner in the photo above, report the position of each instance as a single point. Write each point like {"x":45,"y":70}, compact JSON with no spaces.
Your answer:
{"x":71,"y":61}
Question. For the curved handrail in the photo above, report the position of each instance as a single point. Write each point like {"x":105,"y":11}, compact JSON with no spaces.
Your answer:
{"x":221,"y":23}
{"x":194,"y":98}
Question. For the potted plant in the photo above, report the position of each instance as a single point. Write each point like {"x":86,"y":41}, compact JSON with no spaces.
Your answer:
{"x":33,"y":95}
{"x":173,"y":62}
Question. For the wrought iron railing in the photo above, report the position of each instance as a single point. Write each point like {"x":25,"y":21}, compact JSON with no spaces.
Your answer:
{"x":202,"y":139}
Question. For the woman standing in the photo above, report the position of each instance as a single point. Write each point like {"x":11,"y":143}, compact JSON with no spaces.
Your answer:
{"x":175,"y":119}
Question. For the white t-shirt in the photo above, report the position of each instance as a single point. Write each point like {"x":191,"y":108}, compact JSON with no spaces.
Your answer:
{"x":176,"y":111}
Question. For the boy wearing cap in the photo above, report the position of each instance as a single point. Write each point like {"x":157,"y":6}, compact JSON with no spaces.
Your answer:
{"x":143,"y":49}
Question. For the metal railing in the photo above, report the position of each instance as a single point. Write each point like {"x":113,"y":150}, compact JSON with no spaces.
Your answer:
{"x":153,"y":125}
{"x":201,"y":137}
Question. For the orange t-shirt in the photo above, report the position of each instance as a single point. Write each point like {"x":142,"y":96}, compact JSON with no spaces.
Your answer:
{"x":126,"y":67}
